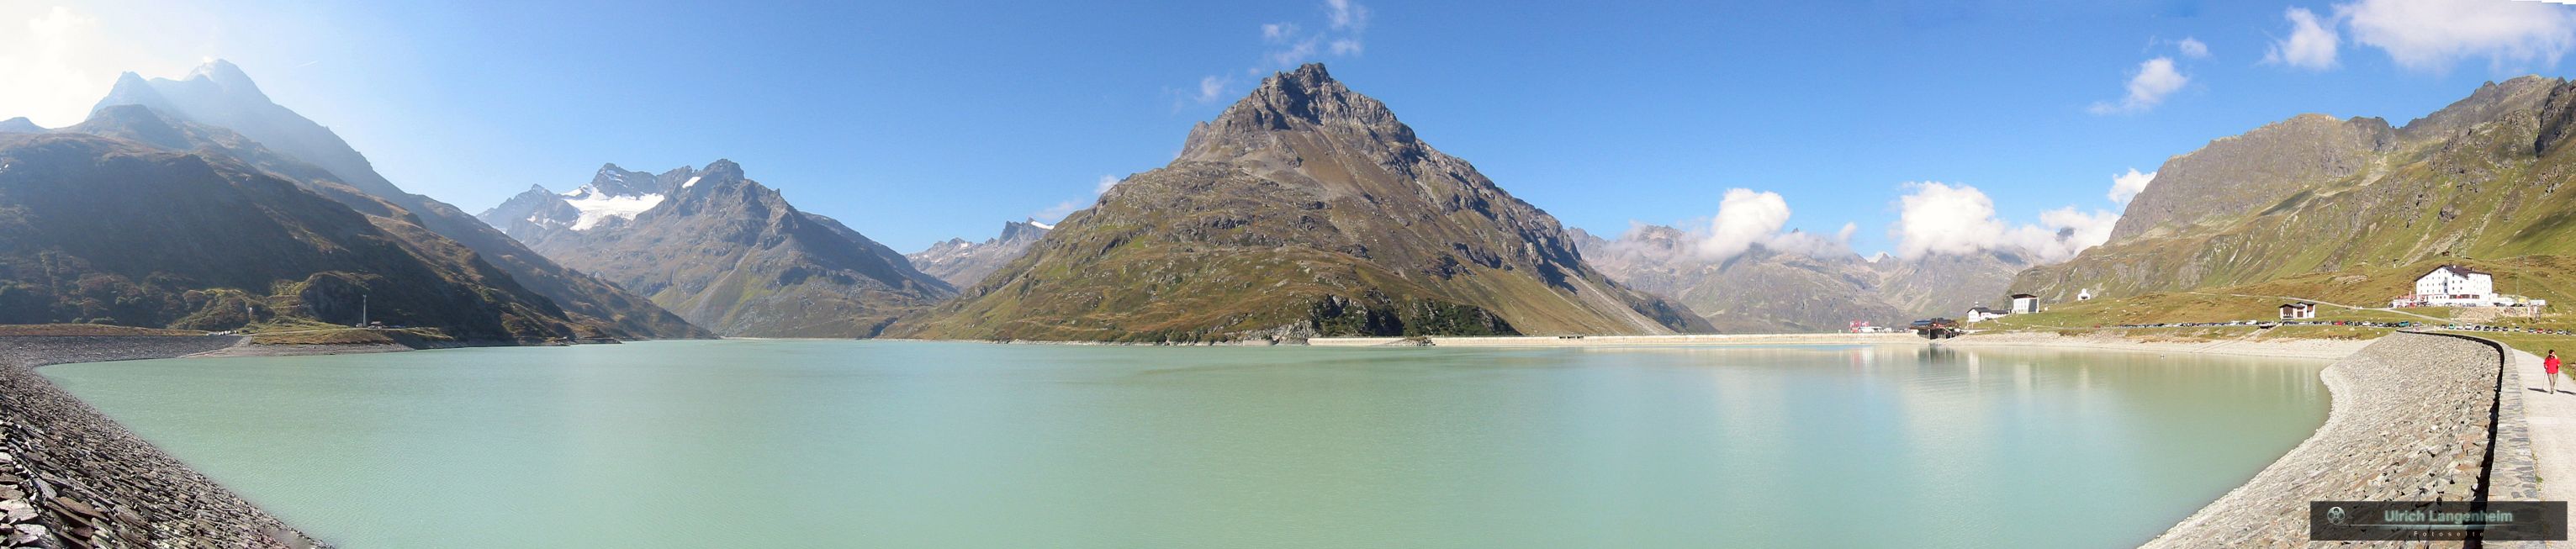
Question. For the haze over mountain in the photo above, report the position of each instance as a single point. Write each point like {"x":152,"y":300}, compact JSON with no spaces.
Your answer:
{"x":220,"y":95}
{"x":2315,"y":194}
{"x":1766,"y":290}
{"x":137,"y":230}
{"x":1305,"y":208}
{"x":723,"y":251}
{"x":963,"y":263}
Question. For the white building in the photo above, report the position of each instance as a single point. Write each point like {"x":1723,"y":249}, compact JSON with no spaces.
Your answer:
{"x":1980,"y":314}
{"x":2084,"y":294}
{"x":2296,"y":311}
{"x":2455,"y":280}
{"x":2025,"y":303}
{"x":2457,"y":286}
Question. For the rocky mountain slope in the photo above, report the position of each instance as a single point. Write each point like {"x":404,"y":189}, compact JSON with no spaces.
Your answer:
{"x":220,"y":95}
{"x":106,"y":230}
{"x":2478,"y":179}
{"x":1306,"y":208}
{"x":724,"y":252}
{"x":1769,"y":291}
{"x":963,"y":263}
{"x":614,"y":195}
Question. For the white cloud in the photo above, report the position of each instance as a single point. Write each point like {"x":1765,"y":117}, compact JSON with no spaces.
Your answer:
{"x":1278,"y":32}
{"x":1744,"y":218}
{"x":2063,"y":232}
{"x":1212,"y":88}
{"x":2192,"y":48}
{"x":2430,"y":35}
{"x":1294,"y":54}
{"x":2311,"y":44}
{"x":1289,"y":44}
{"x":1056,"y":213}
{"x":2155,"y":79}
{"x":2128,"y":185}
{"x":1934,"y":218}
{"x":1346,"y":16}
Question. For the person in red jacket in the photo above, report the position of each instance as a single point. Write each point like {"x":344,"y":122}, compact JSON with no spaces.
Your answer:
{"x":2551,"y":364}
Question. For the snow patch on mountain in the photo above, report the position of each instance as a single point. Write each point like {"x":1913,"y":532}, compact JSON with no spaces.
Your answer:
{"x":597,"y":207}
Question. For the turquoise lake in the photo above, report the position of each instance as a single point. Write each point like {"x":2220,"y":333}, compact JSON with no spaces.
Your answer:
{"x":751,"y":443}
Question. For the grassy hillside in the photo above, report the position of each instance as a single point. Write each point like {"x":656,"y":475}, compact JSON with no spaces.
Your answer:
{"x":2473,"y":184}
{"x":104,"y":231}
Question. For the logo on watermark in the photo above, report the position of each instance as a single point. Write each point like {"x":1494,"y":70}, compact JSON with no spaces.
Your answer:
{"x":2437,"y":520}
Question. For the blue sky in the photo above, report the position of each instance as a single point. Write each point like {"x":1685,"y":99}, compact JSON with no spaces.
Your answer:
{"x":915,"y":122}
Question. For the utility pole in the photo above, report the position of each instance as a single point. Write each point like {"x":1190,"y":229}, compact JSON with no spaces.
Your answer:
{"x":362,"y":310}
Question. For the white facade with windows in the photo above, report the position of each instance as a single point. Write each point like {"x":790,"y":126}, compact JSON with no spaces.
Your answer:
{"x":2456,"y":286}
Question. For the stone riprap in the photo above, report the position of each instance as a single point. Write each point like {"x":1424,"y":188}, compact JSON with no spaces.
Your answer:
{"x":72,"y":478}
{"x":2410,"y":422}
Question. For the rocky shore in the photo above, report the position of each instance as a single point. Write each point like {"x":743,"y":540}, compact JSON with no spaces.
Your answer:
{"x":2411,"y":420}
{"x":72,"y":478}
{"x":2280,"y":348}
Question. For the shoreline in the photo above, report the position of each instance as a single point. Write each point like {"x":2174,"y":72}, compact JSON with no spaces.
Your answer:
{"x":87,"y":481}
{"x":1621,"y":341}
{"x":2412,"y":417}
{"x":2324,"y":349}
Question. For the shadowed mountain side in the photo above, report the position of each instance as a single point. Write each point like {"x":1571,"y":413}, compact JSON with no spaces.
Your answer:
{"x":220,"y":95}
{"x":103,"y":230}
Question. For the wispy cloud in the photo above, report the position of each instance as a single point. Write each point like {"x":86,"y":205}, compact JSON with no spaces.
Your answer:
{"x":2192,"y":48}
{"x":2311,"y":44}
{"x":2155,"y":79}
{"x":1346,"y":15}
{"x":1056,"y":213}
{"x":1287,"y":44}
{"x":2431,"y":36}
{"x":1212,"y":88}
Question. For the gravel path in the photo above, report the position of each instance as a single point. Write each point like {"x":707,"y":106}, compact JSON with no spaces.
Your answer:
{"x":2552,"y":419}
{"x":73,"y":478}
{"x":2410,"y":422}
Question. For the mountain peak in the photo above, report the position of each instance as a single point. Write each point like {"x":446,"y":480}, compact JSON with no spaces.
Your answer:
{"x":138,"y":123}
{"x":721,"y":169}
{"x":220,"y":71}
{"x":1305,"y":99}
{"x":1306,"y":95}
{"x":20,"y":125}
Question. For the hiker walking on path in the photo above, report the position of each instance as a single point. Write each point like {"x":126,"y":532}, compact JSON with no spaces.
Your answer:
{"x":2551,"y":365}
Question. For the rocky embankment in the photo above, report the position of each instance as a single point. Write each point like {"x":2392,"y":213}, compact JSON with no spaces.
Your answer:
{"x":2410,"y":422}
{"x":72,"y":478}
